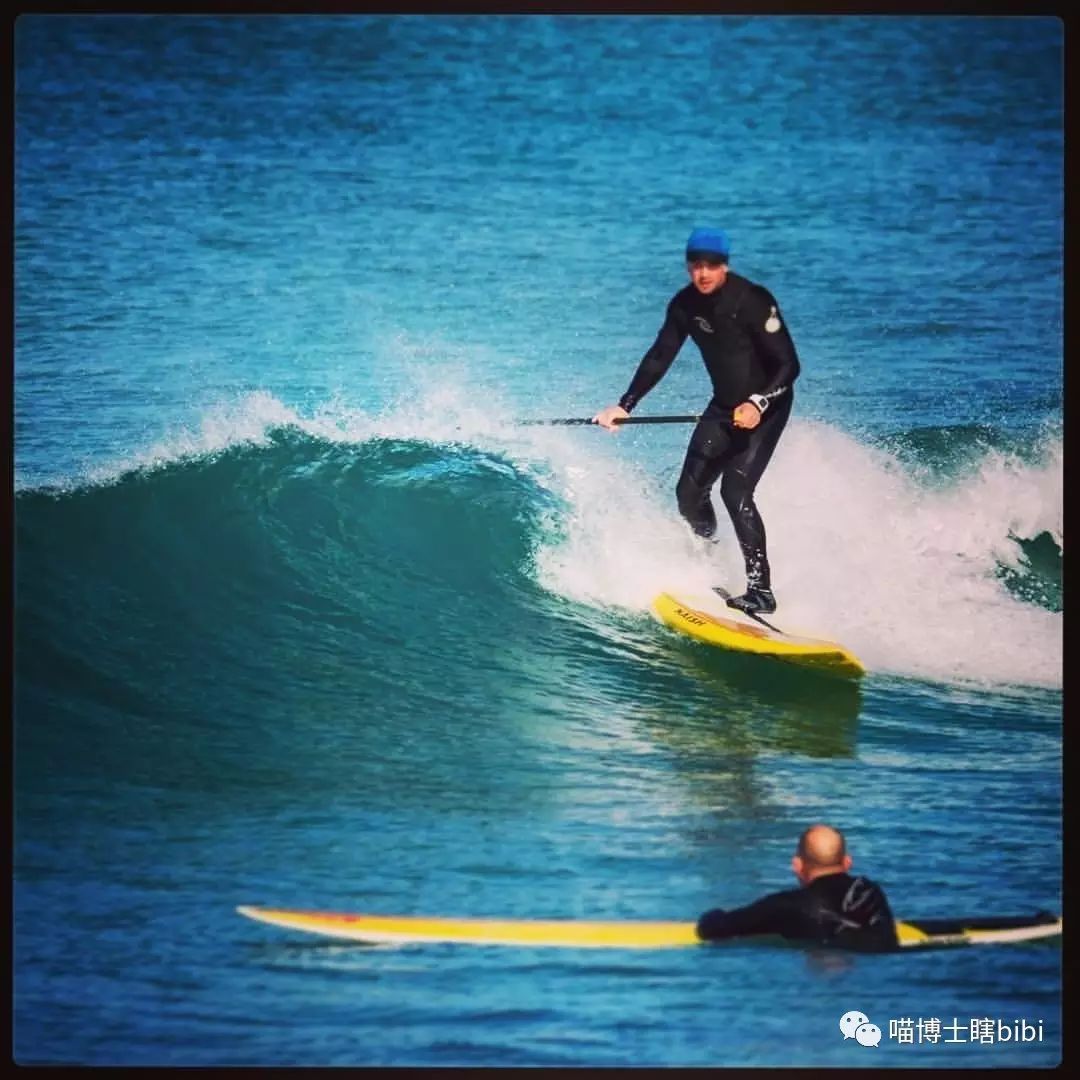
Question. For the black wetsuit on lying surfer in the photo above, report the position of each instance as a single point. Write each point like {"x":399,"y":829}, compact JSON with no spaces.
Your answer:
{"x":837,"y":910}
{"x":749,"y":356}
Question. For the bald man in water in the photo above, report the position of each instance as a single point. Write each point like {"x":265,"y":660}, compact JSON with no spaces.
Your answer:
{"x":829,"y":908}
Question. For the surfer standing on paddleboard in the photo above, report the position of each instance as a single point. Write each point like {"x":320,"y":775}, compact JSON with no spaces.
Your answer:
{"x":830,"y":907}
{"x":752,"y":363}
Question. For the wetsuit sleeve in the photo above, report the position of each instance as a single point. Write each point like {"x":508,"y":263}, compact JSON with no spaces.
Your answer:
{"x":655,"y":363}
{"x":760,"y":315}
{"x":769,"y":915}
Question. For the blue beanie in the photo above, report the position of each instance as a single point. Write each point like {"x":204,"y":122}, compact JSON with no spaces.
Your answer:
{"x":708,"y":242}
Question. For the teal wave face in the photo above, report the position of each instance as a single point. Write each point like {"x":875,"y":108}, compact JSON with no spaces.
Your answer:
{"x":261,"y":565}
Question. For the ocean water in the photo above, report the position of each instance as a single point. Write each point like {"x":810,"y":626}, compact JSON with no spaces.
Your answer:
{"x":305,"y":618}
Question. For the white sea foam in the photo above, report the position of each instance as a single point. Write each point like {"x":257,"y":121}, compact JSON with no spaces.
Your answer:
{"x":901,"y":571}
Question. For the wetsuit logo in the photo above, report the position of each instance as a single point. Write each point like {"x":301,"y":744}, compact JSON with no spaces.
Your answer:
{"x":772,"y":323}
{"x":703,"y":324}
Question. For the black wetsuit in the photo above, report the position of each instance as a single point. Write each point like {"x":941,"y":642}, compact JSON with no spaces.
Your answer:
{"x":747,"y":350}
{"x":835,"y":909}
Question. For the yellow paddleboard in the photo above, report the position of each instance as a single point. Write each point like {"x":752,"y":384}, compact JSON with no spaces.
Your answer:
{"x":570,"y":934}
{"x":692,"y":616}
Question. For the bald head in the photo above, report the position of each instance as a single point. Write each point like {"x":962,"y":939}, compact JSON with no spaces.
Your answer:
{"x":821,"y":851}
{"x":822,"y":845}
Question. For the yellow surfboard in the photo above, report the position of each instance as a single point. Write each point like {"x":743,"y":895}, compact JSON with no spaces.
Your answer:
{"x":691,"y":616}
{"x":571,"y":934}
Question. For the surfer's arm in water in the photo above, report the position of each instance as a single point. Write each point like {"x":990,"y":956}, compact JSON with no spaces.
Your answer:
{"x":772,"y":914}
{"x":654,"y":365}
{"x":759,"y":314}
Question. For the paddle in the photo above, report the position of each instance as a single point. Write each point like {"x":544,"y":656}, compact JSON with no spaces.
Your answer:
{"x":574,"y":420}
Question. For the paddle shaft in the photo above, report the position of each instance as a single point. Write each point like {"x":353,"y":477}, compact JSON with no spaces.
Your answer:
{"x":580,"y":420}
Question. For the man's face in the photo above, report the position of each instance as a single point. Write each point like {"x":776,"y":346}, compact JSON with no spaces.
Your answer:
{"x":707,"y":274}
